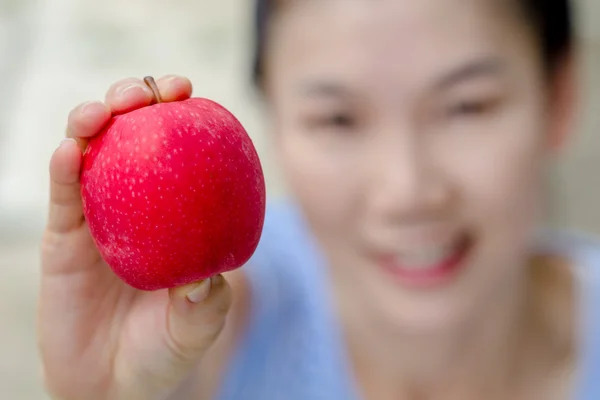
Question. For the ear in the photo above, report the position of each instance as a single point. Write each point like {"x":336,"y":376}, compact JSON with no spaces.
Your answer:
{"x":563,"y":102}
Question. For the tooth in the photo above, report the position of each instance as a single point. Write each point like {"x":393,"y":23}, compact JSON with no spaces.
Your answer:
{"x":424,"y":258}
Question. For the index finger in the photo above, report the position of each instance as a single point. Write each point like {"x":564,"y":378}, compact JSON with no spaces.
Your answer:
{"x":87,"y":120}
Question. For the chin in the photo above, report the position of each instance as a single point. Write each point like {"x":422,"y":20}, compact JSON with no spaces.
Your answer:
{"x":432,"y":316}
{"x":427,"y":302}
{"x":450,"y":307}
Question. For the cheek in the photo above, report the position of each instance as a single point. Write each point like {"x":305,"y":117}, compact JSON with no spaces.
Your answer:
{"x":325,"y":181}
{"x":509,"y":199}
{"x":502,"y":178}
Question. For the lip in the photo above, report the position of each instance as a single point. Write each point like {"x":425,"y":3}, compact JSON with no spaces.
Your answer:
{"x":433,"y":276}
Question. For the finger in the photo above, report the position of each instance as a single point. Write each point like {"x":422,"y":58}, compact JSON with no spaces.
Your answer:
{"x":196,"y":317}
{"x":66,"y":211}
{"x":132,"y":93}
{"x":87,"y":120}
{"x":174,"y":88}
{"x":127,"y":95}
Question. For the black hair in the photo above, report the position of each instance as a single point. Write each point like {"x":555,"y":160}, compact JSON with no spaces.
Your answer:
{"x":551,"y":21}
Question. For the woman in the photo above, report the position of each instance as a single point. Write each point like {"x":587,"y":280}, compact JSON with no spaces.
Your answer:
{"x":408,"y":265}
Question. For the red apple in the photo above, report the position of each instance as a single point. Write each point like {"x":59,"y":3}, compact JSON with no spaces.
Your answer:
{"x":173,"y":193}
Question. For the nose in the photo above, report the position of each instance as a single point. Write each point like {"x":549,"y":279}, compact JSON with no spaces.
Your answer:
{"x":406,"y":185}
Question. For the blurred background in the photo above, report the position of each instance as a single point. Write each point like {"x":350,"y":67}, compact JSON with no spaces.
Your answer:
{"x":55,"y":54}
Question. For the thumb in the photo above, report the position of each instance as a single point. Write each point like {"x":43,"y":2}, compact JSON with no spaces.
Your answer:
{"x":196,"y":318}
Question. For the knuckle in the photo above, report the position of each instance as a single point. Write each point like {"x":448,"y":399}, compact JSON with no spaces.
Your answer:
{"x":54,"y":245}
{"x":181,"y":352}
{"x":57,"y":250}
{"x":185,"y":349}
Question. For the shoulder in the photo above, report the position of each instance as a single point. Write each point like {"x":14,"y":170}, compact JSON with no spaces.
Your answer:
{"x":583,"y":251}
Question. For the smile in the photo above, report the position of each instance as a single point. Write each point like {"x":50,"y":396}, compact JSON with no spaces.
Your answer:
{"x":428,"y":265}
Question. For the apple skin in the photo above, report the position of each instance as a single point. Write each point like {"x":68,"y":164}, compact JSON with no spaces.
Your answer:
{"x":173,"y":193}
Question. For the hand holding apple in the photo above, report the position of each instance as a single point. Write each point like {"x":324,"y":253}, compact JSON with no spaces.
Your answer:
{"x":99,"y":337}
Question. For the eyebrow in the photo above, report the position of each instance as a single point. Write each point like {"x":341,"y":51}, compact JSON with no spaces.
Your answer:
{"x":322,"y":88}
{"x":475,"y":69}
{"x":478,"y":68}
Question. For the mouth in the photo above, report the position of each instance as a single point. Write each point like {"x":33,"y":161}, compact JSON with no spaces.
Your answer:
{"x":427,"y":266}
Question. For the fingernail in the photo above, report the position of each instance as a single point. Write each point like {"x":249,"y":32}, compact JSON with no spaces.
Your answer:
{"x":170,"y":78}
{"x":131,"y":87}
{"x":200,"y":291}
{"x":85,"y":107}
{"x":217,"y":279}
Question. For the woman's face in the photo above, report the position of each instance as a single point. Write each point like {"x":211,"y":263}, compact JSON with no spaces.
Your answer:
{"x":414,"y":135}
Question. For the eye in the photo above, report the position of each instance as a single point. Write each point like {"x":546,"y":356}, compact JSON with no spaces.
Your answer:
{"x":339,"y":121}
{"x":471,"y":108}
{"x":335,"y":121}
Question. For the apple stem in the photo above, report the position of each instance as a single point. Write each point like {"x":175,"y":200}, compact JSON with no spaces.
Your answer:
{"x":154,"y":87}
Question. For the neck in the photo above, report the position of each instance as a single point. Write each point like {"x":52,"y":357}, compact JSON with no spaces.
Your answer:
{"x":477,"y":357}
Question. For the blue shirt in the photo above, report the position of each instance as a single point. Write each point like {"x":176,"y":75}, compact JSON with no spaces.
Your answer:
{"x":292,"y":348}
